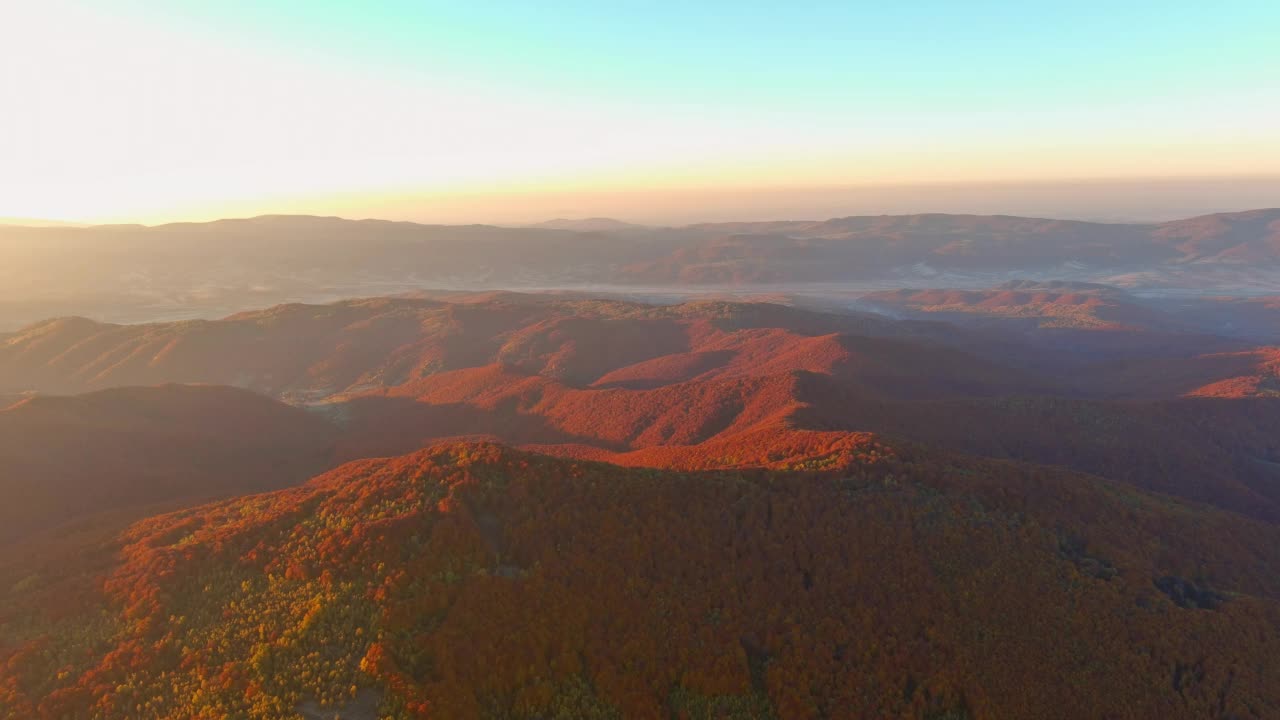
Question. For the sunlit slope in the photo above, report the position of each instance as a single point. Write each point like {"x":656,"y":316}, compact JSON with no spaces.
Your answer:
{"x":476,"y":581}
{"x":608,"y":379}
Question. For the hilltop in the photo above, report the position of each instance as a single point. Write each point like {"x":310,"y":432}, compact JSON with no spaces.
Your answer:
{"x":476,"y":581}
{"x":716,"y":509}
{"x":666,"y":385}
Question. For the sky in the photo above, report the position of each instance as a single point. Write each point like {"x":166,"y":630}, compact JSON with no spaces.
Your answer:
{"x":500,"y":111}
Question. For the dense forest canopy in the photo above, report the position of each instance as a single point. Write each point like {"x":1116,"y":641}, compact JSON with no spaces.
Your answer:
{"x":1053,"y":504}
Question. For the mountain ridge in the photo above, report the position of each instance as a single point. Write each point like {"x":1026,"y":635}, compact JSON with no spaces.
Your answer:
{"x":1266,"y":213}
{"x":559,"y":506}
{"x":624,"y":381}
{"x":135,"y":273}
{"x":70,"y":458}
{"x":468,"y":580}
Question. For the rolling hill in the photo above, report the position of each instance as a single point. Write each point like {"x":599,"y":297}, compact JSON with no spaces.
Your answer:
{"x":1040,"y":305}
{"x":472,"y":581}
{"x":124,"y":451}
{"x":717,"y":510}
{"x":310,"y":352}
{"x":665,"y":385}
{"x":131,"y":273}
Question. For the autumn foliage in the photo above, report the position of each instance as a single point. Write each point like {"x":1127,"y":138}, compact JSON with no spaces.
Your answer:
{"x":715,"y":510}
{"x":471,"y":580}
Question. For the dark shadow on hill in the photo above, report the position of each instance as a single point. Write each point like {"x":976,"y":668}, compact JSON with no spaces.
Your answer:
{"x":377,"y":426}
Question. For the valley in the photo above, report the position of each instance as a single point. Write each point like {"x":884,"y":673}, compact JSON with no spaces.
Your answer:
{"x":135,"y":273}
{"x":770,"y":502}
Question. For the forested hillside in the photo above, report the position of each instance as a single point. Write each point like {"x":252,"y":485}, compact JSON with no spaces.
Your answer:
{"x":476,"y":581}
{"x":574,"y":508}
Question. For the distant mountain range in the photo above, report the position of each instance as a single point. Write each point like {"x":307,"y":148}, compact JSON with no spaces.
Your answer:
{"x":131,"y":273}
{"x":597,"y":224}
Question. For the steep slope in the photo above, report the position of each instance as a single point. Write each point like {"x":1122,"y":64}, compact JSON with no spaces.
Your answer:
{"x":69,"y":458}
{"x":474,"y":581}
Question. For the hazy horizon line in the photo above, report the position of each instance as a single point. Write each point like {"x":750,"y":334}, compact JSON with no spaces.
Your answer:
{"x":947,"y":206}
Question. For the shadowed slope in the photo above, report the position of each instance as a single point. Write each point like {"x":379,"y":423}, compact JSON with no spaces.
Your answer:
{"x":66,"y":458}
{"x":1218,"y":451}
{"x":308,"y":353}
{"x":607,"y":379}
{"x":1259,"y":376}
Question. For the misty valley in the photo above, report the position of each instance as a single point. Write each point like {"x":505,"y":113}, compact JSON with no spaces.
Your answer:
{"x":209,"y":270}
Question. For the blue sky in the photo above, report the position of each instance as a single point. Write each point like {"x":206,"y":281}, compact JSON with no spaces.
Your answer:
{"x":916,"y":55}
{"x":203,"y":107}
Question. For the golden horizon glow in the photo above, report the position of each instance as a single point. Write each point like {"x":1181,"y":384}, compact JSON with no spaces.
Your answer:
{"x":128,"y":117}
